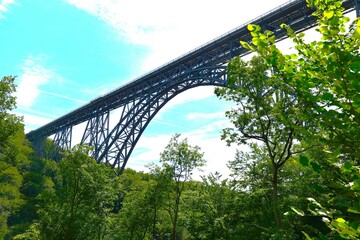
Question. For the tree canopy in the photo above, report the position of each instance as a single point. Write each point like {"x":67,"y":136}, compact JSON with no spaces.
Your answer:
{"x":297,"y":178}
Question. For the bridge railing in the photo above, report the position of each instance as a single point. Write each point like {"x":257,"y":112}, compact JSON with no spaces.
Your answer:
{"x":200,"y":47}
{"x":91,"y":106}
{"x":186,"y":54}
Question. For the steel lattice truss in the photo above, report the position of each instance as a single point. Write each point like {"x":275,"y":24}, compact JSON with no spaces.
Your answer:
{"x":142,"y":98}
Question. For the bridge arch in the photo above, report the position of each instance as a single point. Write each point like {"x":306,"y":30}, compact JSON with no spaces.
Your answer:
{"x":117,"y":145}
{"x":142,"y":98}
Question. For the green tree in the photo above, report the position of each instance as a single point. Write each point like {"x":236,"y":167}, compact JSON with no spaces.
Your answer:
{"x":41,"y":175}
{"x":179,"y":160}
{"x":10,"y":195}
{"x":141,"y":212}
{"x":10,"y":124}
{"x":252,"y":174}
{"x":266,"y":113}
{"x":324,"y":76}
{"x":80,"y":205}
{"x":13,"y":154}
{"x":211,"y":209}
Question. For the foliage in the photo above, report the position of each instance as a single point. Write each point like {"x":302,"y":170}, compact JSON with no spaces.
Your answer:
{"x":9,"y":123}
{"x":158,"y":196}
{"x":179,"y":159}
{"x":41,"y":175}
{"x":211,"y":208}
{"x":140,"y":205}
{"x":298,"y":114}
{"x":324,"y":76}
{"x":267,"y":113}
{"x":78,"y":208}
{"x":251,"y":174}
{"x":10,"y":196}
{"x":14,"y":153}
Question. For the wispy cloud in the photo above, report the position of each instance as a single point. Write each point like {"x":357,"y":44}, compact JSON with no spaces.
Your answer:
{"x":34,"y":75}
{"x":215,"y":115}
{"x":33,"y":121}
{"x":165,"y":123}
{"x":63,"y":96}
{"x":102,"y":89}
{"x":171,"y":28}
{"x":217,"y":154}
{"x":191,"y":95}
{"x":4,"y":6}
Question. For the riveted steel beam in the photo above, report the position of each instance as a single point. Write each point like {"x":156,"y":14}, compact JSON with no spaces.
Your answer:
{"x":116,"y":149}
{"x":142,"y":98}
{"x":96,"y":131}
{"x":60,"y":143}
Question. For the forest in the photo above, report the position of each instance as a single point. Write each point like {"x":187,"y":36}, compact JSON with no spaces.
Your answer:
{"x":299,"y":116}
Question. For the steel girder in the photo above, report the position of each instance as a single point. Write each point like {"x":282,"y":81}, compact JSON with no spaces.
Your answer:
{"x":217,"y":52}
{"x":96,"y":131}
{"x":39,"y":146}
{"x":115,"y":150}
{"x":61,"y":142}
{"x":134,"y":96}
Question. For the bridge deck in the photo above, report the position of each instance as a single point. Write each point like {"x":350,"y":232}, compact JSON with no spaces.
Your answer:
{"x":214,"y":53}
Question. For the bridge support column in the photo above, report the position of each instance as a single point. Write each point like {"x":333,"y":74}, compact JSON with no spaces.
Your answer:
{"x":96,"y":131}
{"x":136,"y":114}
{"x":39,"y":147}
{"x":61,"y":142}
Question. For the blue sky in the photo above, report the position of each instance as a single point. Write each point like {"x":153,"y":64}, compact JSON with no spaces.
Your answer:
{"x":67,"y":52}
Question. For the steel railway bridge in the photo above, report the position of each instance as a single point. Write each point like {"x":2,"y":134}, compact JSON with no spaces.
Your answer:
{"x":141,"y":99}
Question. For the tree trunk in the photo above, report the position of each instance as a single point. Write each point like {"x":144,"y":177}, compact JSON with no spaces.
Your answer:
{"x":275,"y":196}
{"x":154,"y":223}
{"x":173,"y":235}
{"x":176,"y":212}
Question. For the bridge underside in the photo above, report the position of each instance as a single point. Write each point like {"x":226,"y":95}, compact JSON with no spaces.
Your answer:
{"x":114,"y":146}
{"x":142,"y":98}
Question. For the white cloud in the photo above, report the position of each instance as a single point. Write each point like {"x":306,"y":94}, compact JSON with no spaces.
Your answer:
{"x":63,"y":96}
{"x":168,"y":29}
{"x":32,"y":121}
{"x":35,"y":120}
{"x":99,"y":91}
{"x":172,"y":28}
{"x":216,"y":153}
{"x":4,"y":6}
{"x":34,"y":75}
{"x":191,"y":95}
{"x":6,"y":2}
{"x":192,"y":116}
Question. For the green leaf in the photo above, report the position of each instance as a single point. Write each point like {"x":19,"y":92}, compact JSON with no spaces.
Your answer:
{"x":301,"y":35}
{"x":327,"y":96}
{"x":346,"y":19}
{"x":346,"y":167}
{"x":298,"y":211}
{"x":306,"y":235}
{"x":315,"y":166}
{"x":283,"y":26}
{"x":328,"y":14}
{"x":251,"y":27}
{"x":246,"y":45}
{"x":356,"y":186}
{"x":354,"y":210}
{"x":304,"y":161}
